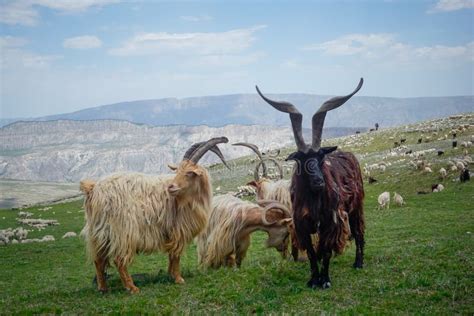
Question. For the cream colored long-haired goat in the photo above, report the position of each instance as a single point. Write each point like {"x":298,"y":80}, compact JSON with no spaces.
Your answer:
{"x":135,"y":213}
{"x":227,"y":236}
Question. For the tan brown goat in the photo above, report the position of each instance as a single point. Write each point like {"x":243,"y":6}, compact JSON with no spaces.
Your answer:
{"x":135,"y":213}
{"x":227,"y":237}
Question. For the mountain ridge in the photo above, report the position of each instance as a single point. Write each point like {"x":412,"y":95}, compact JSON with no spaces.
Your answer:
{"x":249,"y":109}
{"x":67,"y":150}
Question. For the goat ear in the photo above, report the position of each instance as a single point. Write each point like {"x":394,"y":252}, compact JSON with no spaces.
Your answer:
{"x":195,"y":172}
{"x":253,"y":183}
{"x":172,"y":167}
{"x":286,"y":221}
{"x":326,"y":150}
{"x":294,"y":156}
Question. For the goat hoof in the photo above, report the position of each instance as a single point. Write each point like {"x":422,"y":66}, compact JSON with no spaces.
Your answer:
{"x":313,"y":284}
{"x":326,"y":285}
{"x":133,"y":290}
{"x":358,"y":265}
{"x":179,"y":280}
{"x":103,"y":291}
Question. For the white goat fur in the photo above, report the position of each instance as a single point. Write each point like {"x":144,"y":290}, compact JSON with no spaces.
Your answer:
{"x":276,"y":190}
{"x":130,"y":213}
{"x":384,"y":200}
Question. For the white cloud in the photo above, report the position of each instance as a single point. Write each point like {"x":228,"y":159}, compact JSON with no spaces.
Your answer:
{"x":354,"y":44}
{"x":11,"y":41}
{"x":82,"y":42}
{"x":452,"y":5}
{"x":385,"y":46}
{"x":439,"y":52}
{"x":18,"y":13}
{"x":25,"y":12}
{"x":163,"y":43}
{"x":194,"y":18}
{"x":14,"y":56}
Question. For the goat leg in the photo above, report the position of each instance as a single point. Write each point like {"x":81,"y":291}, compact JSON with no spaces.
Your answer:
{"x":324,"y":280}
{"x":173,"y":268}
{"x":127,"y":280}
{"x":242,"y":248}
{"x":306,"y":242}
{"x":100,"y":265}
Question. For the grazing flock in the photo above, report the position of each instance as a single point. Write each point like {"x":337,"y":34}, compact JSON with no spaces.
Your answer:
{"x":132,"y":213}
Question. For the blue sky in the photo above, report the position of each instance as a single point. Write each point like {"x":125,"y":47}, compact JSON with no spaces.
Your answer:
{"x":62,"y":56}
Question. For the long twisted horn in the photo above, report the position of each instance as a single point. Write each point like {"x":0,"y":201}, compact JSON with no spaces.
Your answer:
{"x":320,"y":115}
{"x":262,"y":163}
{"x":295,"y":116}
{"x":269,"y":204}
{"x":195,"y":154}
{"x":251,"y":146}
{"x":190,"y":152}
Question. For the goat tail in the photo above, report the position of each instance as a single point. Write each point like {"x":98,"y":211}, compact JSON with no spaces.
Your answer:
{"x":95,"y":248}
{"x":86,"y":186}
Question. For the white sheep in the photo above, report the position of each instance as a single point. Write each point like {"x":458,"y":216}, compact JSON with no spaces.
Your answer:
{"x":428,"y":170}
{"x":245,"y":190}
{"x":69,"y":235}
{"x":384,"y":200}
{"x":45,"y":238}
{"x":135,"y":213}
{"x":443,"y":173}
{"x":437,"y":188}
{"x":13,"y":236}
{"x":398,"y":199}
{"x":460,"y":165}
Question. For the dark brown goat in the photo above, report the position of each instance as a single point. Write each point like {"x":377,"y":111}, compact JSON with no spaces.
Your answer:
{"x":327,"y":193}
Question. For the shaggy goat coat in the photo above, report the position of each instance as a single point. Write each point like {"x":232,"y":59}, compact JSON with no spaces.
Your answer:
{"x":225,"y":223}
{"x":342,"y":198}
{"x":229,"y":217}
{"x":134,"y":213}
{"x":278,"y":191}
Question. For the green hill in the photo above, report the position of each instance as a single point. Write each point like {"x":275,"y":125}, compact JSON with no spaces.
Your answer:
{"x":418,"y":257}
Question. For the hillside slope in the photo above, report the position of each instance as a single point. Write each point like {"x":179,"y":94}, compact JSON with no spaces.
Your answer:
{"x":71,"y":150}
{"x":417,"y":257}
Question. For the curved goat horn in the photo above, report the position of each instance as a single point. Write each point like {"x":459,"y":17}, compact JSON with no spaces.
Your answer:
{"x":269,"y":204}
{"x":190,"y":152}
{"x":295,"y":116}
{"x":320,"y":115}
{"x":194,"y":153}
{"x":259,"y":154}
{"x":251,"y":146}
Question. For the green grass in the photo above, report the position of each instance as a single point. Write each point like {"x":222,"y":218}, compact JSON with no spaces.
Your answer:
{"x":419,"y":260}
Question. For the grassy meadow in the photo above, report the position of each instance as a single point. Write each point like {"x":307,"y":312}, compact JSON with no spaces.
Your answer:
{"x":418,"y":259}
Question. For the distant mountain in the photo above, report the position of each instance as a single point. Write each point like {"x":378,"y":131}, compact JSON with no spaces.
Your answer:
{"x":248,"y":109}
{"x":65,"y":151}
